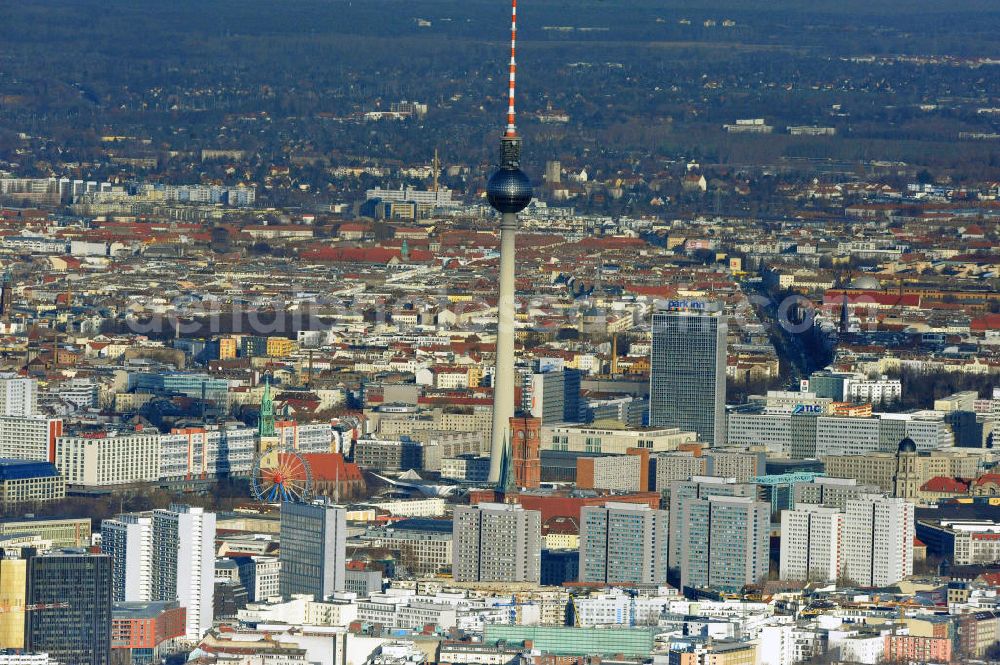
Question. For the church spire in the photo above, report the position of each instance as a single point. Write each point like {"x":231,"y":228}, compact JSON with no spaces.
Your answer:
{"x":265,"y":421}
{"x":507,"y":483}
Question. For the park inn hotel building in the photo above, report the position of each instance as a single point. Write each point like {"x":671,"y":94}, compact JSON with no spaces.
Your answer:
{"x":687,"y":378}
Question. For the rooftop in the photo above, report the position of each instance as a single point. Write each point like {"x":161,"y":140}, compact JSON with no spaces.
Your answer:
{"x":420,"y":524}
{"x":19,"y":469}
{"x":141,"y":609}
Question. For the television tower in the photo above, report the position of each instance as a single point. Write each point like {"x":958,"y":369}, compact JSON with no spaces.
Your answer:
{"x":509,"y":192}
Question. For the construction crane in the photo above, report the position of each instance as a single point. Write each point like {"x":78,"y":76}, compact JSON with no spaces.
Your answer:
{"x":5,"y":609}
{"x":513,"y":604}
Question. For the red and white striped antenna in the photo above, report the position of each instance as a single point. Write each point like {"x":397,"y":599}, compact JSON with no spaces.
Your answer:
{"x":511,"y":128}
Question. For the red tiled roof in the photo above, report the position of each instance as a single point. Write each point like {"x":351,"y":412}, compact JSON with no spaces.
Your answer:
{"x":353,"y":226}
{"x":993,"y":579}
{"x":987,"y":478}
{"x":361,"y":254}
{"x":613,"y":242}
{"x":945,"y":484}
{"x":873,"y":298}
{"x":330,"y":467}
{"x":987,"y":322}
{"x":662,"y":291}
{"x":560,"y":525}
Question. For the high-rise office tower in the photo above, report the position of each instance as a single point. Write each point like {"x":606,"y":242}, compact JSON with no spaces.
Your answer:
{"x":878,"y":540}
{"x":623,"y":543}
{"x":80,"y":633}
{"x":496,"y":542}
{"x":698,"y":487}
{"x":687,"y":377}
{"x":724,"y":542}
{"x":128,"y":540}
{"x":313,"y":549}
{"x":509,"y":192}
{"x":968,"y":429}
{"x":184,"y":563}
{"x":811,"y":543}
{"x":553,"y":396}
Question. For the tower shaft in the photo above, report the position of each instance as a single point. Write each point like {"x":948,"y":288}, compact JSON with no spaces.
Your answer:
{"x":503,"y":376}
{"x":509,"y":192}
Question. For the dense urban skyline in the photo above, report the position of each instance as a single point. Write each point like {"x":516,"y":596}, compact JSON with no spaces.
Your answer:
{"x":699,"y":368}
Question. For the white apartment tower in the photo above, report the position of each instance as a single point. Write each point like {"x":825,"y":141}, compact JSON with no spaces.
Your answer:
{"x":18,"y":395}
{"x":724,"y":542}
{"x":878,"y":540}
{"x":165,"y":555}
{"x":811,"y":543}
{"x":128,"y":540}
{"x":184,"y":563}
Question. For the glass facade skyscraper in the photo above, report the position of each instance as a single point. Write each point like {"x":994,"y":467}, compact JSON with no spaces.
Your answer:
{"x":313,"y":549}
{"x":687,"y":378}
{"x":81,"y":632}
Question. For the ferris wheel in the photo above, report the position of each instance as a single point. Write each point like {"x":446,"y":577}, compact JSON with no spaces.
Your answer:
{"x":281,"y":474}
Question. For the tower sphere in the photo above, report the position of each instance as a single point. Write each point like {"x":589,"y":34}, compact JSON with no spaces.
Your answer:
{"x":509,"y":190}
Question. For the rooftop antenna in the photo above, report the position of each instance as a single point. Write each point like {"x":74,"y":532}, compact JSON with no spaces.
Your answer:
{"x":511,"y":125}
